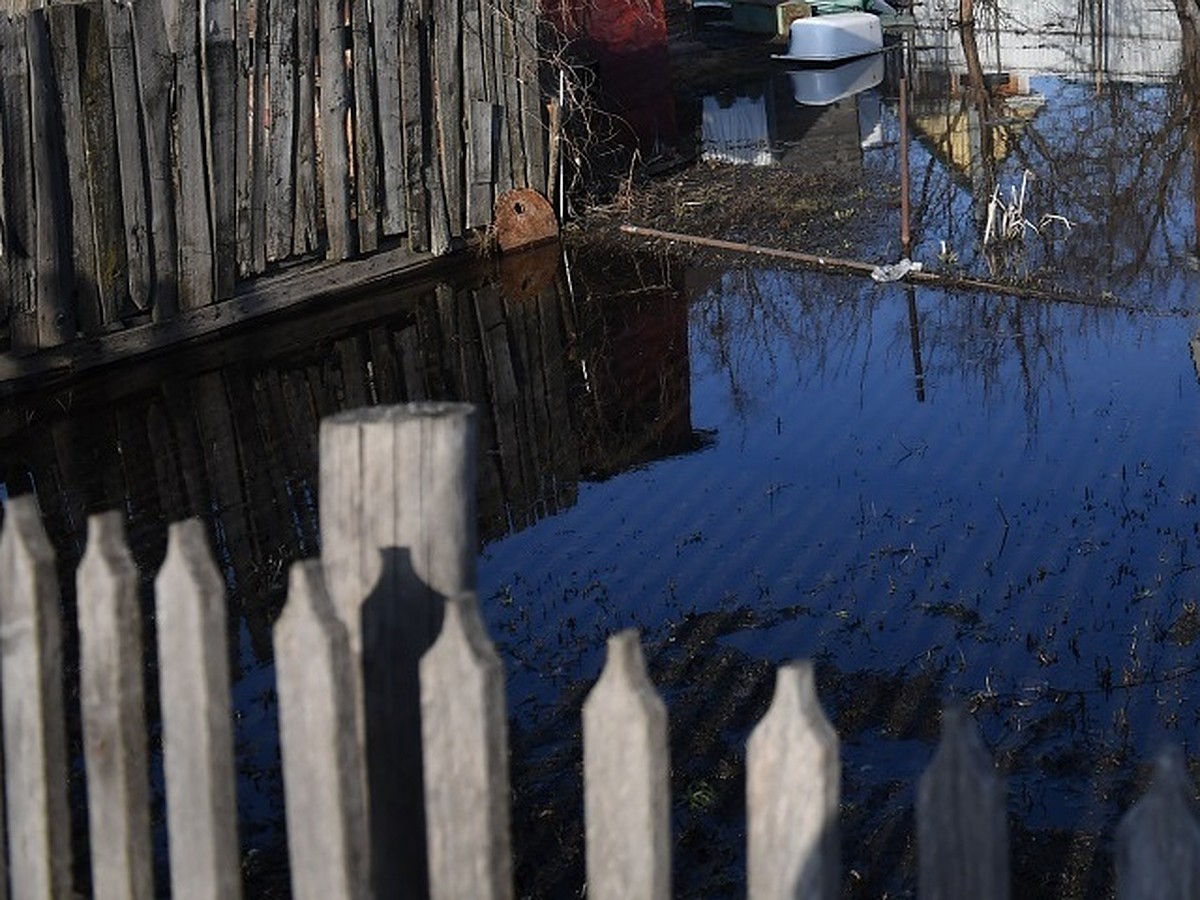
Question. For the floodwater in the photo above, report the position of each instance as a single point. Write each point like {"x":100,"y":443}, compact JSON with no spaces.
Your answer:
{"x":936,"y":495}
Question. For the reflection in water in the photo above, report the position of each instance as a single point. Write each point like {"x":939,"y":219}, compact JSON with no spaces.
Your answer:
{"x":570,"y":387}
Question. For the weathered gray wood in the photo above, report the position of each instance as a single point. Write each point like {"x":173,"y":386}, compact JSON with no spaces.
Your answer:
{"x":114,"y":726}
{"x":465,"y":735}
{"x":962,"y":831}
{"x":304,"y":234}
{"x":387,"y":24}
{"x":412,"y":93}
{"x":118,"y":21}
{"x":64,"y":45}
{"x":447,"y":33}
{"x":626,"y":779}
{"x":102,"y":191}
{"x":20,"y":214}
{"x":194,"y":225}
{"x":246,"y":99}
{"x":225,"y":131}
{"x":281,"y":153}
{"x":509,"y":73}
{"x":366,"y":163}
{"x":793,"y":785}
{"x":322,"y":766}
{"x":480,"y":117}
{"x":1158,"y":840}
{"x":481,"y":166}
{"x":335,"y":111}
{"x":398,"y":536}
{"x":259,"y":150}
{"x":155,"y":82}
{"x":35,"y":754}
{"x":528,"y":114}
{"x":56,"y":302}
{"x":197,"y":728}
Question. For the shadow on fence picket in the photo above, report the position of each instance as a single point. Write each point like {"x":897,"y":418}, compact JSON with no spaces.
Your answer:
{"x":402,"y":477}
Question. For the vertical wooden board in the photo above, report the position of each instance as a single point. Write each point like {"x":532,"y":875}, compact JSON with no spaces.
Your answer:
{"x":155,"y":80}
{"x":103,"y":166}
{"x":366,"y":136}
{"x":225,"y":131}
{"x":35,"y":753}
{"x":322,"y":767}
{"x":194,"y":226}
{"x":197,"y":727}
{"x":259,"y":139}
{"x":305,"y":238}
{"x":529,"y":109}
{"x":1158,"y":840}
{"x":513,"y":165}
{"x":335,"y":111}
{"x":447,"y":33}
{"x":387,"y":25}
{"x":626,"y":775}
{"x":130,"y":151}
{"x":479,"y":113}
{"x":962,"y":828}
{"x":244,"y":113}
{"x":114,"y":727}
{"x":793,"y":785}
{"x":464,"y":731}
{"x":482,"y":132}
{"x":20,"y":239}
{"x":64,"y":47}
{"x":412,"y":103}
{"x":281,"y":129}
{"x":398,"y":530}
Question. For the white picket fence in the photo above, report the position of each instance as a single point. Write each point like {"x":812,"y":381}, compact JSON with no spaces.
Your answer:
{"x":403,"y":478}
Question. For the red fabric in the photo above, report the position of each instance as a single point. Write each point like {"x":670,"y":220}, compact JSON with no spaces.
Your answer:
{"x":610,"y":26}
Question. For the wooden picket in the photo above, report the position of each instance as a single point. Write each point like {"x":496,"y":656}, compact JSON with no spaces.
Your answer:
{"x":459,"y":715}
{"x":230,"y":138}
{"x":626,"y":777}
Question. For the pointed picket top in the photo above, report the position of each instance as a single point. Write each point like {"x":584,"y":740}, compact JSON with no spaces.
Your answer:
{"x":1158,"y":840}
{"x":323,"y":775}
{"x":626,"y":779}
{"x":114,"y":727}
{"x":465,"y":732}
{"x":793,"y":785}
{"x":193,"y":662}
{"x":962,"y":828}
{"x":35,"y":752}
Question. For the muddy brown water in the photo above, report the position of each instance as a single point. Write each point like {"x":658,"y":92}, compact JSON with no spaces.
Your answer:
{"x":935,"y":495}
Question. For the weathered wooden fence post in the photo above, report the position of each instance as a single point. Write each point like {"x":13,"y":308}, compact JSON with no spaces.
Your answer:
{"x":464,"y":725}
{"x":793,"y":786}
{"x":193,"y":661}
{"x":1158,"y":840}
{"x":114,"y":725}
{"x":398,"y":531}
{"x":35,"y":754}
{"x":962,"y":830}
{"x":322,"y":766}
{"x":626,"y":780}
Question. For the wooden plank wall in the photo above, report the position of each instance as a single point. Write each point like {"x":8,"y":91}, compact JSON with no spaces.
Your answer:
{"x":149,"y":164}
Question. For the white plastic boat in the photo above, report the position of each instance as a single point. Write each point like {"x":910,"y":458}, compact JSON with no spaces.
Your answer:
{"x":834,"y":37}
{"x":829,"y":84}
